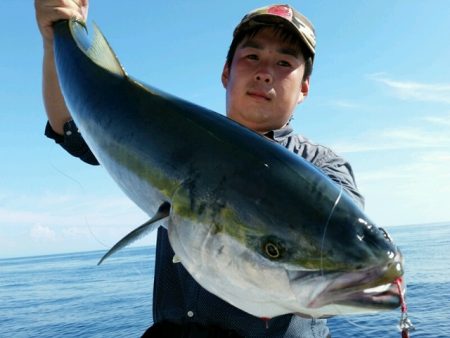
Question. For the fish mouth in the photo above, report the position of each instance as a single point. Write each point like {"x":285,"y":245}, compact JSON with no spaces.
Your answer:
{"x":385,"y":296}
{"x":374,"y":288}
{"x":364,"y":291}
{"x":382,"y":297}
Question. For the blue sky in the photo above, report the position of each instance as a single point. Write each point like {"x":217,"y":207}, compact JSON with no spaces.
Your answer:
{"x":380,"y":97}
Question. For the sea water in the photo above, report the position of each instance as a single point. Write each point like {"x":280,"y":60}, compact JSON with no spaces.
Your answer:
{"x":68,"y":295}
{"x":426,"y":249}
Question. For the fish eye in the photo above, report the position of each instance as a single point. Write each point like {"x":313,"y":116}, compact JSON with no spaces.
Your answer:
{"x":272,"y":250}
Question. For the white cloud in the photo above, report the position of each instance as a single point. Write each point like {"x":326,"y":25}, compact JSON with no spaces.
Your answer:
{"x":443,"y":121}
{"x":41,"y":232}
{"x":346,"y":104}
{"x":66,"y":222}
{"x":75,"y":232}
{"x":430,"y":166}
{"x":67,"y":210}
{"x":411,"y":90}
{"x":415,"y":191}
{"x":428,"y":132}
{"x":403,"y":172}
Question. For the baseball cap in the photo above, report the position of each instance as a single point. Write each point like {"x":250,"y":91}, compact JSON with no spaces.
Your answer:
{"x":284,"y":15}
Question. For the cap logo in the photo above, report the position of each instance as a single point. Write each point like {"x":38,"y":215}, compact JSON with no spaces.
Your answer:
{"x":281,"y":10}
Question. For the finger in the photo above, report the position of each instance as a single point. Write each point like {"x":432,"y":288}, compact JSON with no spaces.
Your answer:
{"x":79,"y":3}
{"x":46,"y":8}
{"x":50,"y":11}
{"x":58,"y":3}
{"x":82,"y":6}
{"x":85,"y":8}
{"x":65,"y":14}
{"x":55,"y":14}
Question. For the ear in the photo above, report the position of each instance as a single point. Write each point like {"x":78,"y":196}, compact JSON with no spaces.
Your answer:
{"x":225,"y":75}
{"x":304,"y":90}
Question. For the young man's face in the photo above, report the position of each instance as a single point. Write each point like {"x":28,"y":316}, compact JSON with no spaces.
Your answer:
{"x":264,"y":83}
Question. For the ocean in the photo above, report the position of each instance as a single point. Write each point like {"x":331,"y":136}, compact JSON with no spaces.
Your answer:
{"x":68,"y":295}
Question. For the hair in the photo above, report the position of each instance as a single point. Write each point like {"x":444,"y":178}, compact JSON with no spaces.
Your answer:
{"x":287,"y":35}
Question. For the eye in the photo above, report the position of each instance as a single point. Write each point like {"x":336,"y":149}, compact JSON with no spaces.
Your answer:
{"x":252,"y":57}
{"x":272,"y":249}
{"x":284,"y":63}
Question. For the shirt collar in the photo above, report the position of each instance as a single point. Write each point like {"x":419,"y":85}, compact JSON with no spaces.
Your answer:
{"x":279,"y":135}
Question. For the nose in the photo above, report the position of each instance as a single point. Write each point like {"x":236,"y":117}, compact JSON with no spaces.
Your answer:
{"x":264,"y":75}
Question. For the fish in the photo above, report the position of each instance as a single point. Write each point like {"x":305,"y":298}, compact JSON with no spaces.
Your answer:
{"x":253,"y":223}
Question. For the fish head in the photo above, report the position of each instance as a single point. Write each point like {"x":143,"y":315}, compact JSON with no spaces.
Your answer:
{"x":269,"y":266}
{"x":344,"y":264}
{"x":354,"y":268}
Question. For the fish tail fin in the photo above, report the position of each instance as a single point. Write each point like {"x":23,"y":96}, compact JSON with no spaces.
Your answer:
{"x":96,"y":49}
{"x":163,"y":212}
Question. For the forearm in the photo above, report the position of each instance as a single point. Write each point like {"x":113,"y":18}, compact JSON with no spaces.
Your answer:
{"x":55,"y":106}
{"x":48,"y":12}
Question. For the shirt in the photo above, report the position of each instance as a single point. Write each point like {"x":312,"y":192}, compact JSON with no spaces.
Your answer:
{"x":178,"y":298}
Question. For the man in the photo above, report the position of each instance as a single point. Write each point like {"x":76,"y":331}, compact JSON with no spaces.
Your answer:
{"x":266,"y":75}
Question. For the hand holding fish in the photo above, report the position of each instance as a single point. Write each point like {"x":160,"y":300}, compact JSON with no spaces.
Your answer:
{"x":50,"y":11}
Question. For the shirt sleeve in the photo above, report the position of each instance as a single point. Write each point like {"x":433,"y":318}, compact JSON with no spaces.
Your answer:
{"x":72,"y":141}
{"x":340,"y":171}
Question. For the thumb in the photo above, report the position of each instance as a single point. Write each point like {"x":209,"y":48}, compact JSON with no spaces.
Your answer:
{"x":84,"y":9}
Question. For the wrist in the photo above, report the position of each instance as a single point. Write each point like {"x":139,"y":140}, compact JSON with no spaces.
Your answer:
{"x":48,"y":46}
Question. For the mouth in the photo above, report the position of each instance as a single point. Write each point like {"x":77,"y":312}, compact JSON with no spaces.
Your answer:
{"x":259,"y":95}
{"x":369,"y":300}
{"x":381,"y":297}
{"x":385,"y":296}
{"x":373,"y":289}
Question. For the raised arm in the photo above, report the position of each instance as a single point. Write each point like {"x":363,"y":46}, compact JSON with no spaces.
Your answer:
{"x":48,"y":12}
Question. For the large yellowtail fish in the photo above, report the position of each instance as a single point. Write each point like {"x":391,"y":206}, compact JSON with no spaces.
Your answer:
{"x":252,"y":222}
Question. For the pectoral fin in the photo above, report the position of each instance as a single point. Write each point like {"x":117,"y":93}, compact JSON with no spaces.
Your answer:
{"x":139,"y":232}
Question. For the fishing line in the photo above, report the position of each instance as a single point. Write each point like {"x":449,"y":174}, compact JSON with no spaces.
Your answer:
{"x":88,"y":225}
{"x":336,"y":202}
{"x":138,"y":270}
{"x":69,"y":177}
{"x":405,"y":324}
{"x":83,"y":192}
